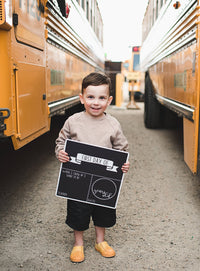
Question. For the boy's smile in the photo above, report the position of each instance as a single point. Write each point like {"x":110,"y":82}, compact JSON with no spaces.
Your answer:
{"x":96,"y":99}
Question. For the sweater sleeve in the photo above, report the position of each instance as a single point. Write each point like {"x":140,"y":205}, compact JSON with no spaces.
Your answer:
{"x":119,"y":141}
{"x":63,"y":135}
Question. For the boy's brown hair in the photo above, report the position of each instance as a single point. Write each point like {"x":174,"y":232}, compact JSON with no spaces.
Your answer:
{"x":96,"y":79}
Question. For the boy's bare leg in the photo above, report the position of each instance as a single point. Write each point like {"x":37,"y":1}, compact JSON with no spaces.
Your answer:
{"x":102,"y":246}
{"x":78,"y":235}
{"x":77,"y":253}
{"x":100,"y":234}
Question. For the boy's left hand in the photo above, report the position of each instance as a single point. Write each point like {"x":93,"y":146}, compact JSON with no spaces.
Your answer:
{"x":125,"y":167}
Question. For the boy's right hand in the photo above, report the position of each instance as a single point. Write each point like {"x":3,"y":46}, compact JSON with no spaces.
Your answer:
{"x":63,"y":156}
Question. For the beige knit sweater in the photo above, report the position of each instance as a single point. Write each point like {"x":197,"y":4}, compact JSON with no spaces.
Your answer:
{"x":105,"y":132}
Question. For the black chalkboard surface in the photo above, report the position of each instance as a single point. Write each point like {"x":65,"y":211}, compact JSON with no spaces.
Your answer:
{"x":93,"y":175}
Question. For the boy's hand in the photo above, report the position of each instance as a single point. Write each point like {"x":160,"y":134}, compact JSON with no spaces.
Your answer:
{"x":63,"y":156}
{"x":125,"y":167}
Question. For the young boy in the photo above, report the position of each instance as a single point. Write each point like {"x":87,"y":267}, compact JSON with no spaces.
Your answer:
{"x":93,"y":126}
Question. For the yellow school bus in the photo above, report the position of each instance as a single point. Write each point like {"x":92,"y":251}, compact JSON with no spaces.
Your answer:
{"x":46,"y":48}
{"x":135,"y":76}
{"x":171,"y":61}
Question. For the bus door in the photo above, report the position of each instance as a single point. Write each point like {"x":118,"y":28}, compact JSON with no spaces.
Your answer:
{"x":28,"y":50}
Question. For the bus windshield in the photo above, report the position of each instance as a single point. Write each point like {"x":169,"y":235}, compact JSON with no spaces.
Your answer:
{"x":136,"y":62}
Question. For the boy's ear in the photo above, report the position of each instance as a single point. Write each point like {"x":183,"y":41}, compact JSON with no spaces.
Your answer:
{"x":81,"y":98}
{"x":110,"y":100}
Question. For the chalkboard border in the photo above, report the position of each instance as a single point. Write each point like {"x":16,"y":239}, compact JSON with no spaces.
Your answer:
{"x":87,"y":202}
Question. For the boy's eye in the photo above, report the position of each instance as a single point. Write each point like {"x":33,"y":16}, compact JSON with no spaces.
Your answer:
{"x":90,"y":97}
{"x":102,"y":98}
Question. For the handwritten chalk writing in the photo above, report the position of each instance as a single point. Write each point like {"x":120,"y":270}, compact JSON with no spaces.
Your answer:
{"x":93,"y":159}
{"x":105,"y":162}
{"x":63,"y":194}
{"x":85,"y":158}
{"x":104,"y":189}
{"x":76,"y":175}
{"x":96,"y":160}
{"x":103,"y":194}
{"x":88,"y":178}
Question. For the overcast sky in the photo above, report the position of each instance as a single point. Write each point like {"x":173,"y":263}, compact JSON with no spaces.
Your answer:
{"x":122,"y":26}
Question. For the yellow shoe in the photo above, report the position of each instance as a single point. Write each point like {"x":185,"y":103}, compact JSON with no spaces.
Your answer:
{"x":77,"y":254}
{"x":105,"y":249}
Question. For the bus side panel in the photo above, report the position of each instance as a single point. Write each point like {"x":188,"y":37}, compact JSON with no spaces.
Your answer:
{"x":170,"y":53}
{"x":176,"y":77}
{"x":64,"y":74}
{"x":44,"y":57}
{"x":190,"y":144}
{"x":30,"y":27}
{"x":31,"y":107}
{"x":69,"y":58}
{"x":6,"y":81}
{"x":119,"y":83}
{"x":29,"y":72}
{"x":31,"y":104}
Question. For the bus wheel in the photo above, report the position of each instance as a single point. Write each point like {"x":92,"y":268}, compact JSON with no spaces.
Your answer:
{"x":152,"y":108}
{"x":169,"y":118}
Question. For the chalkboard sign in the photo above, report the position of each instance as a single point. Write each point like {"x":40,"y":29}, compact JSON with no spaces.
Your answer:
{"x":93,"y":175}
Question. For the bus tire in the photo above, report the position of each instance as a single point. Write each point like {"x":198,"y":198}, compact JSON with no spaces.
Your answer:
{"x":169,"y":118}
{"x":152,"y":108}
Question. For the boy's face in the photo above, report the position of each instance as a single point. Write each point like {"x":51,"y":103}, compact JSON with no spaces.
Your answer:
{"x":96,"y":99}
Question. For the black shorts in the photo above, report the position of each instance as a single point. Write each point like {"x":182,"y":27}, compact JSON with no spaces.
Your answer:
{"x":78,"y":215}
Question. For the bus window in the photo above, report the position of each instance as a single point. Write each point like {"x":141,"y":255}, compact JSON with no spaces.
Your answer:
{"x":136,"y":62}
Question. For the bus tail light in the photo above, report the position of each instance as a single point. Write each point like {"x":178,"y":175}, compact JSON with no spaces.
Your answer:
{"x":135,"y":49}
{"x":5,"y":14}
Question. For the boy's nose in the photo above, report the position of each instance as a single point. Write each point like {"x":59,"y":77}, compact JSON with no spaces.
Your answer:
{"x":96,"y":101}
